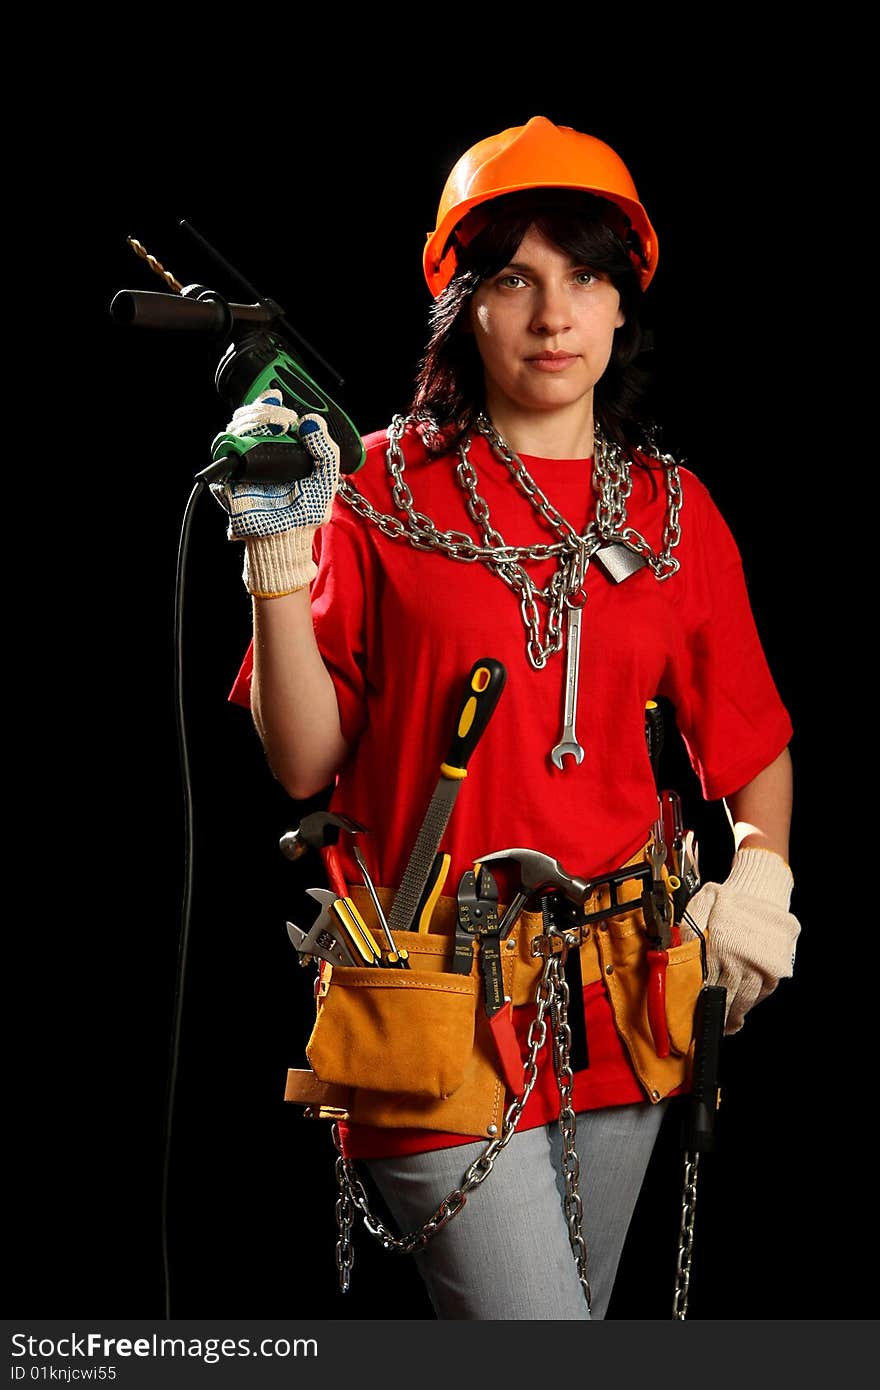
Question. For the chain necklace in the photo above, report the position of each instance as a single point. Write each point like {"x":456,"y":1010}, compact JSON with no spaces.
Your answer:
{"x":573,"y":551}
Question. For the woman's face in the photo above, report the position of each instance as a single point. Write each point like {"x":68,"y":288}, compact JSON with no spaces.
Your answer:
{"x":544,"y":327}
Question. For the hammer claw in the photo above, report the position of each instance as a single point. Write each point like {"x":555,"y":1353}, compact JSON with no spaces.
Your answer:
{"x":539,"y":873}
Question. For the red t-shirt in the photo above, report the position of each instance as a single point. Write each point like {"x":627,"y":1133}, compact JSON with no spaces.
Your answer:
{"x":399,"y":629}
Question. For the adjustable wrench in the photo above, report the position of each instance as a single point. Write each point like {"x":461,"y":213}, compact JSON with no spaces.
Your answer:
{"x":325,"y":939}
{"x":323,"y":946}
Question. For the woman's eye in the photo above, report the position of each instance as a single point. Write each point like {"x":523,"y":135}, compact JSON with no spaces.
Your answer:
{"x":586,"y":277}
{"x":510,"y":280}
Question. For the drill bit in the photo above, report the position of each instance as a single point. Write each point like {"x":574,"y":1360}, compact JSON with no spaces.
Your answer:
{"x":170,"y":280}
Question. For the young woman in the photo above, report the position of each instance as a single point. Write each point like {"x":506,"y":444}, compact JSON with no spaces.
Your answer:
{"x":519,"y":512}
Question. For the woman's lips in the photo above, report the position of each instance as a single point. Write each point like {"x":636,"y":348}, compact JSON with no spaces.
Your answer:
{"x":554,"y":363}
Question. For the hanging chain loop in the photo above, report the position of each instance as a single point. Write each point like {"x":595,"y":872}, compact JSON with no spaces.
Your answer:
{"x":551,"y":997}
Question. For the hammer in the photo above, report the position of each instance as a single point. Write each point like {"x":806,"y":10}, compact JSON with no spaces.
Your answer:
{"x":538,"y":874}
{"x":316,"y":831}
{"x":320,"y":831}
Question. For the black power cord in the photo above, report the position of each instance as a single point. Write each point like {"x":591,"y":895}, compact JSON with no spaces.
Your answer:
{"x":260,"y":349}
{"x":186,"y":906}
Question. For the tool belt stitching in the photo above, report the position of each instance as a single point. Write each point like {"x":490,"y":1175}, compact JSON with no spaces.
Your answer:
{"x":396,"y":980}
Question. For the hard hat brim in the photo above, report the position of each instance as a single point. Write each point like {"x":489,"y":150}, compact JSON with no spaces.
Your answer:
{"x":439,"y":261}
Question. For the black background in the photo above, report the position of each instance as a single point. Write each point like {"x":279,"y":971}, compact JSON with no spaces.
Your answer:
{"x":321,"y":188}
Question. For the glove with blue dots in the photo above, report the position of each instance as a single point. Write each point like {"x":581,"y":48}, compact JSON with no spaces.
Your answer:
{"x":259,"y":508}
{"x":278,"y":520}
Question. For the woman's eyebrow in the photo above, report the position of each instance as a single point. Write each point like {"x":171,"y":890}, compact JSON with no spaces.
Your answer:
{"x":524,"y":265}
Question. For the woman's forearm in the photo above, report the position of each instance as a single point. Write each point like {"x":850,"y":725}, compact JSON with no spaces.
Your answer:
{"x":760,"y":812}
{"x":293,"y":700}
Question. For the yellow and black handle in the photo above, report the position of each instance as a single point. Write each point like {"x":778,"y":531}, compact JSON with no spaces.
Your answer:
{"x":482,"y":691}
{"x":483,"y":686}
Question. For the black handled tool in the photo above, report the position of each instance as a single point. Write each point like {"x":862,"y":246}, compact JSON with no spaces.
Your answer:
{"x":654,"y":737}
{"x":481,"y":693}
{"x":702,"y":1103}
{"x":258,"y":357}
{"x":478,"y":919}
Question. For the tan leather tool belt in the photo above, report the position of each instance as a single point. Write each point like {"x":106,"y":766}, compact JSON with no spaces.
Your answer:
{"x":414,"y":1047}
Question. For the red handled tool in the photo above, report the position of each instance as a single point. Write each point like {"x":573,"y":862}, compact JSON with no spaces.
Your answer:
{"x":657,"y":963}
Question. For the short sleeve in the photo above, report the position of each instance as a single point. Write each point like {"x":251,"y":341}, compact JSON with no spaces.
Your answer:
{"x":240,"y":694}
{"x":343,"y":617}
{"x":728,"y":709}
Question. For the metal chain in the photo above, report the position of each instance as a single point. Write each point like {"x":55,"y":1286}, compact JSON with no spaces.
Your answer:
{"x":686,"y":1237}
{"x":612,"y":483}
{"x":344,"y":1221}
{"x":571,"y":1168}
{"x":479,"y":1169}
{"x":574,"y":550}
{"x":552,"y":994}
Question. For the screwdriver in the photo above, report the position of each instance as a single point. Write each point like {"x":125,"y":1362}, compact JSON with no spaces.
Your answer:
{"x":397,"y":958}
{"x":357,"y":931}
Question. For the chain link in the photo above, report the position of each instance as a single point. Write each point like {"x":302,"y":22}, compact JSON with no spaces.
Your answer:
{"x":551,"y":995}
{"x":686,"y":1237}
{"x":612,"y":483}
{"x":574,"y":1211}
{"x":344,"y":1222}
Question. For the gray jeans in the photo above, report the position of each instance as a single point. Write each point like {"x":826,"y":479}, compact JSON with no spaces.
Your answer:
{"x":507,"y":1256}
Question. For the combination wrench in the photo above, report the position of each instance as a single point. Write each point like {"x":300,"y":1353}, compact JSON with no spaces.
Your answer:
{"x":568,"y":743}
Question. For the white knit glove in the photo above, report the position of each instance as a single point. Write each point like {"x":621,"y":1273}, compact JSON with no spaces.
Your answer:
{"x":751,"y":933}
{"x":278,"y":520}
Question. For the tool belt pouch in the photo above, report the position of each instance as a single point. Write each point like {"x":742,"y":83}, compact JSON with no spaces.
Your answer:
{"x":684,"y":981}
{"x":623,"y":955}
{"x":408,"y":1032}
{"x":622,"y":950}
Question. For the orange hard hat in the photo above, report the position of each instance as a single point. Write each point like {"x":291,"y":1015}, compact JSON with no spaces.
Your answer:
{"x":536,"y":155}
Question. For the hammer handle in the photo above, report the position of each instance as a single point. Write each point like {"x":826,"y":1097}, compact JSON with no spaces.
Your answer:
{"x":508,"y":921}
{"x":333,"y":868}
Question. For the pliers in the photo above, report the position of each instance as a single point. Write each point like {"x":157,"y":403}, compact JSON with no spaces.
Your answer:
{"x":478,"y":917}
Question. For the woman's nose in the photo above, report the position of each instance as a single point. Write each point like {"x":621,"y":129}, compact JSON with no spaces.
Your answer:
{"x":551,"y":311}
